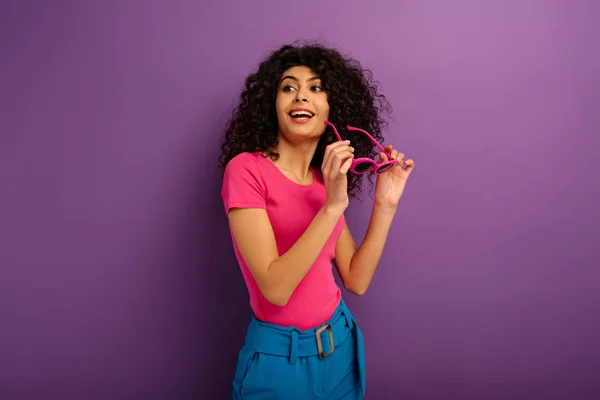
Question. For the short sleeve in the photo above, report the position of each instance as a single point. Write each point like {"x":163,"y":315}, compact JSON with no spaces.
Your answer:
{"x":243,"y":186}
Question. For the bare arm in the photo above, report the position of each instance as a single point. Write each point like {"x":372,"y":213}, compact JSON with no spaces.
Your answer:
{"x":278,"y":276}
{"x":357,"y":266}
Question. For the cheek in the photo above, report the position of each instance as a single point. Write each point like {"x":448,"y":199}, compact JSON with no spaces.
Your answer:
{"x":280,"y":109}
{"x":324,"y":108}
{"x":281,"y":104}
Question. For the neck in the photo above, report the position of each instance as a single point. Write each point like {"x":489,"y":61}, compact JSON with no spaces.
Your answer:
{"x":296,"y":157}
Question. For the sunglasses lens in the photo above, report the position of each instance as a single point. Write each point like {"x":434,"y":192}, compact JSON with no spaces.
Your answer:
{"x":363,"y":167}
{"x":384,"y":168}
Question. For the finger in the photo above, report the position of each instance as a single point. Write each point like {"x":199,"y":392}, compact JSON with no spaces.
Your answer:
{"x":394,"y":154}
{"x":333,"y":161}
{"x":331,"y":148}
{"x":346,"y":166}
{"x":388,"y":149}
{"x":343,"y":148}
{"x":338,"y":160}
{"x":325,"y":162}
{"x":400,"y":158}
{"x":340,"y":149}
{"x":339,"y":144}
{"x":410,"y":164}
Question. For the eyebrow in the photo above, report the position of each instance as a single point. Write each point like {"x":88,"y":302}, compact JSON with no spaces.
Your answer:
{"x":314,"y":78}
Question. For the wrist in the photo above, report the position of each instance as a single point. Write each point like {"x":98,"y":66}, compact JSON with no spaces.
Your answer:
{"x":333,"y":210}
{"x":385,"y":208}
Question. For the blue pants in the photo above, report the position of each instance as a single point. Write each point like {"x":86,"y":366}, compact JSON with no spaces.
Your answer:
{"x":287,"y":363}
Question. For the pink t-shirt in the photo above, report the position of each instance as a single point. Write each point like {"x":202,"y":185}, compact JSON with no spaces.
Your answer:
{"x":252,"y":180}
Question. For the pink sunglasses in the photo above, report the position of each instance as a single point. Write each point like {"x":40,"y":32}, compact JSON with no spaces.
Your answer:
{"x":363,"y":165}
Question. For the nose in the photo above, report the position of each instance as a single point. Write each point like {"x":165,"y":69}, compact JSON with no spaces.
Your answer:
{"x":301,"y":96}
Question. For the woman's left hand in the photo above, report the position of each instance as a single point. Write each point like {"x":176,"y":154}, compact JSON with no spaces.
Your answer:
{"x":390,"y":184}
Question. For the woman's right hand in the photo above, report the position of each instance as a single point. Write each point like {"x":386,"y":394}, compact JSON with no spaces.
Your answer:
{"x":336,"y":163}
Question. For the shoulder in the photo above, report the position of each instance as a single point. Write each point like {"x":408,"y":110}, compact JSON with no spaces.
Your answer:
{"x":243,"y":186}
{"x":244,"y":164}
{"x":244,"y":160}
{"x":244,"y":169}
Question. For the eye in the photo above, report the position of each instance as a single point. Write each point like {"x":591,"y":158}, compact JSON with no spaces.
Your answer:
{"x":317,"y":88}
{"x":287,"y":88}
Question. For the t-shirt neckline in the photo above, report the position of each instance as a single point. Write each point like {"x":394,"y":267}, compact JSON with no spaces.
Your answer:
{"x":284,"y":176}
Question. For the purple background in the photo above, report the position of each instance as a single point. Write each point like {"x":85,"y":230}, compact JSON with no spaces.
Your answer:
{"x":118,"y":278}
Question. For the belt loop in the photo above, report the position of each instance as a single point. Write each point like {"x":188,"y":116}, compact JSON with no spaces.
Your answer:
{"x":349,"y":321}
{"x":294,"y":348}
{"x":348,"y":316}
{"x":252,"y":335}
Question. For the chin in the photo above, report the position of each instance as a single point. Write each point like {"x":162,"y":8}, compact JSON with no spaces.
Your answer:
{"x":304,"y":132}
{"x":313,"y":126}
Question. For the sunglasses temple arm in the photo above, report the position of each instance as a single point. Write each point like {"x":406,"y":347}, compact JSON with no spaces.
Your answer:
{"x":379,"y":146}
{"x":334,"y":130}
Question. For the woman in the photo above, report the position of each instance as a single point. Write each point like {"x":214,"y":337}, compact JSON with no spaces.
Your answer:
{"x":288,"y":175}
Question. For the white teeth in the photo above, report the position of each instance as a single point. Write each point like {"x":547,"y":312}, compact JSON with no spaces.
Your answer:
{"x":296,"y":114}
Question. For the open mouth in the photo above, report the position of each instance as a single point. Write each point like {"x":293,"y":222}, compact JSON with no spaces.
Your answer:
{"x":301,"y":115}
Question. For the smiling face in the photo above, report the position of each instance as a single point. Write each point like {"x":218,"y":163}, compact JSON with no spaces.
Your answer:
{"x":301,"y":104}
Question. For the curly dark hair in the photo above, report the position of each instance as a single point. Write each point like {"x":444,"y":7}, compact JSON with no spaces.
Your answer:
{"x":352,"y":95}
